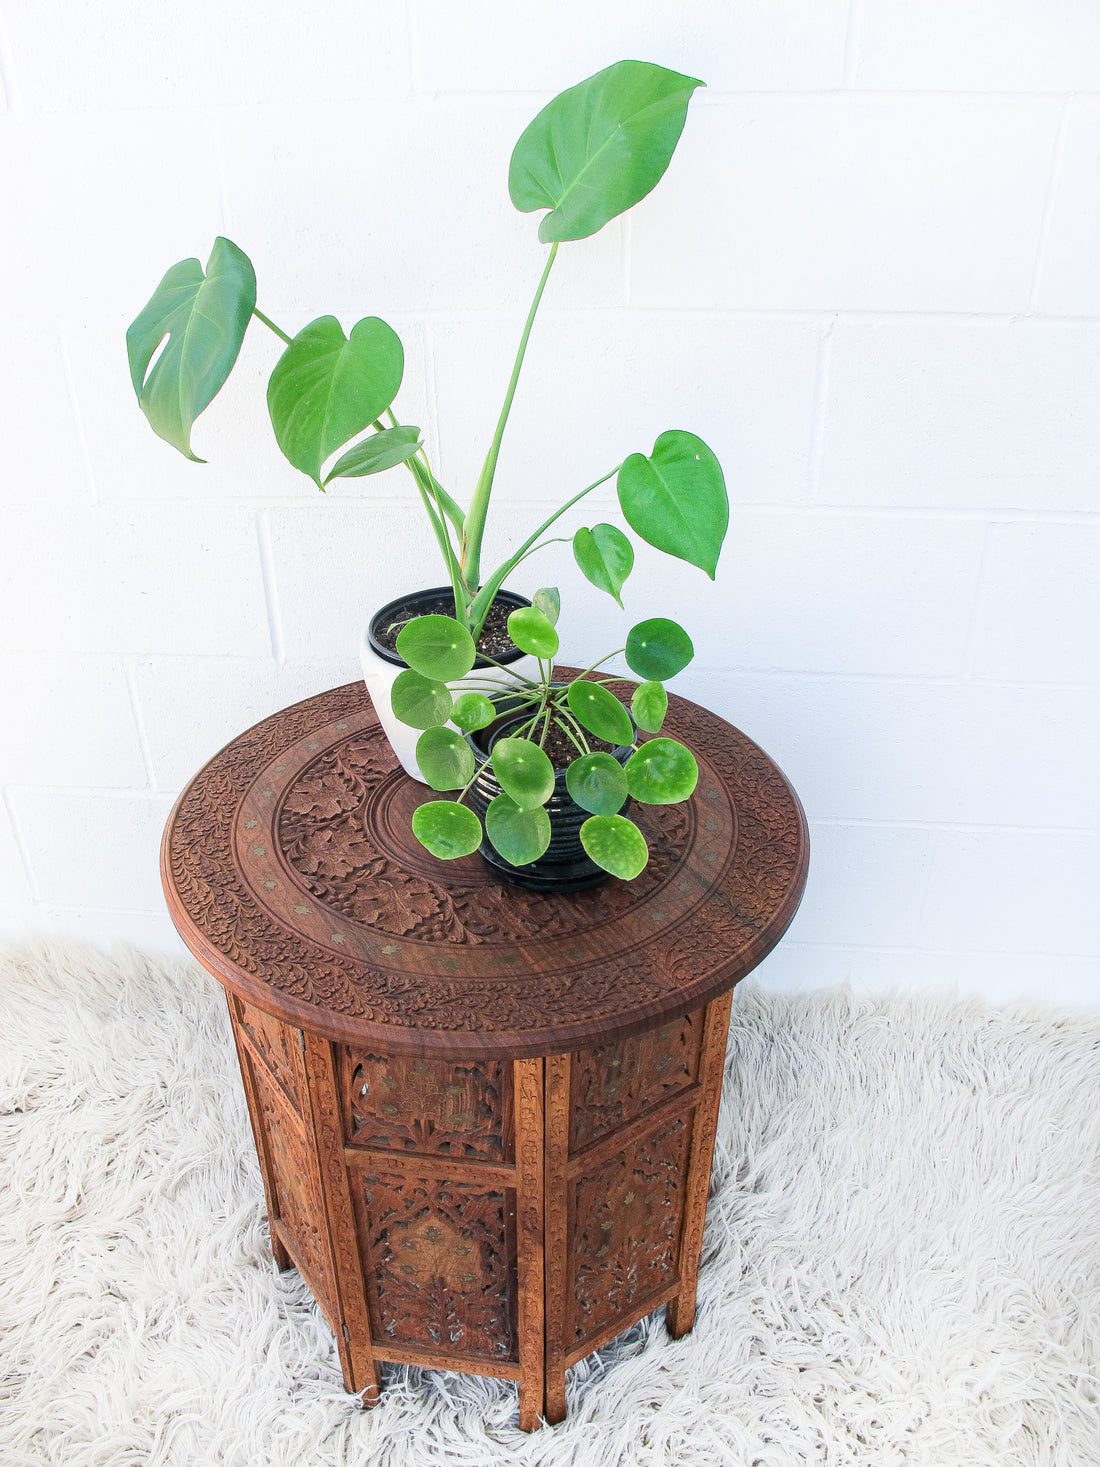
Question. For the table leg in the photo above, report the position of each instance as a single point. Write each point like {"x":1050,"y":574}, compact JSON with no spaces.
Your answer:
{"x":527,"y":1088}
{"x":680,"y":1312}
{"x":282,"y":1257}
{"x":557,"y":1256}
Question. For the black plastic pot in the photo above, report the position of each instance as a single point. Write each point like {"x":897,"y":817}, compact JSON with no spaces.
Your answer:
{"x":417,"y":603}
{"x":565,"y":865}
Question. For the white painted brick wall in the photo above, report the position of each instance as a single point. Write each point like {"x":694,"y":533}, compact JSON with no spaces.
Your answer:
{"x":870,"y":280}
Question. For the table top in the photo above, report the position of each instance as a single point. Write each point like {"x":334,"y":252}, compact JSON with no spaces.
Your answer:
{"x":292,"y":875}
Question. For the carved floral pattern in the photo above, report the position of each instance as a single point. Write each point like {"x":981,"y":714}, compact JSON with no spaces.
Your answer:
{"x":613,"y":1083}
{"x":431,"y":1106}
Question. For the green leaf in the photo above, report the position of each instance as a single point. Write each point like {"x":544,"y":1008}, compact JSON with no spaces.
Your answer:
{"x":533,"y":632}
{"x":420,"y":702}
{"x":437,"y":646}
{"x":549,"y":603}
{"x":597,"y":783}
{"x":380,"y":451}
{"x":473,"y":710}
{"x":676,"y":499}
{"x":445,"y":758}
{"x":649,"y":706}
{"x":605,"y":556}
{"x":520,"y":836}
{"x":524,"y":771}
{"x":662,"y":772}
{"x":327,"y":387}
{"x":616,"y":844}
{"x":446,"y":829}
{"x":658,"y":648}
{"x":600,"y":712}
{"x":599,"y":147}
{"x":204,"y":318}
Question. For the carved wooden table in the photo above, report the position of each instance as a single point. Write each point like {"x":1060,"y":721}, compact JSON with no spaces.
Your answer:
{"x":485,"y":1117}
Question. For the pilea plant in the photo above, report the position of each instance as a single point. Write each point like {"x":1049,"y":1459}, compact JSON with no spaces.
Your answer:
{"x":661,"y":771}
{"x":590,"y":154}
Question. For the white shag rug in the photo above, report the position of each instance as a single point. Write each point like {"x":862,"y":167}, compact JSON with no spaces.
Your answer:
{"x":902,"y":1257}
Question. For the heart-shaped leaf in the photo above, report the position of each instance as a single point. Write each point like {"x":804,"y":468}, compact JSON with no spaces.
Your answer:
{"x":616,"y":844}
{"x":472,"y":710}
{"x":649,"y":706}
{"x":421,"y":702}
{"x":658,"y":648}
{"x":204,"y":317}
{"x":445,"y":758}
{"x":549,"y":603}
{"x":605,"y":556}
{"x":600,"y":712}
{"x":524,"y":771}
{"x":520,"y":836}
{"x":676,"y":499}
{"x":662,"y":772}
{"x":437,"y":646}
{"x":380,"y":451}
{"x":533,"y":632}
{"x":446,"y":829}
{"x":597,"y":782}
{"x":599,"y":147}
{"x":327,"y":387}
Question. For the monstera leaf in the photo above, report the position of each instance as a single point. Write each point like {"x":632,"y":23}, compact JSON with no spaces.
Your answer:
{"x":599,"y":147}
{"x":676,"y":499}
{"x":204,"y":316}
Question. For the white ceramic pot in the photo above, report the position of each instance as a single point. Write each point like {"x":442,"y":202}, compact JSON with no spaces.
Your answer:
{"x":381,"y":667}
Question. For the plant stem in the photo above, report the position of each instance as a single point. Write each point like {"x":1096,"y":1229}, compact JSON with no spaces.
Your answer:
{"x":271,"y":325}
{"x":479,"y":504}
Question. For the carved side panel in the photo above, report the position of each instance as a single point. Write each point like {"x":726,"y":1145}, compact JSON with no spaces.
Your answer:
{"x":300,"y":1206}
{"x":434,"y":1107}
{"x":626,"y":1217}
{"x":439,"y":1257}
{"x":614,"y":1083}
{"x":278,"y":1046}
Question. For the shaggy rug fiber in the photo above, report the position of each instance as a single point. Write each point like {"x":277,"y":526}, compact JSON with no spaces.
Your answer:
{"x":902,"y":1257}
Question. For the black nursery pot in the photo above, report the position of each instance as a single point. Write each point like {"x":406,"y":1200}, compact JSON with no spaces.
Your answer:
{"x":421,"y":603}
{"x":565,"y":865}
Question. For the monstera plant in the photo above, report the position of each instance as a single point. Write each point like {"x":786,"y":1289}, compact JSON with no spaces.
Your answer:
{"x":589,"y":155}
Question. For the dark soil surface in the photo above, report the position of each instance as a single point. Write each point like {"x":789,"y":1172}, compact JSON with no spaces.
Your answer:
{"x":560,"y":749}
{"x":493,"y":642}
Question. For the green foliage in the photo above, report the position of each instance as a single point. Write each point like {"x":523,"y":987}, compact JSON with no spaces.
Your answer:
{"x":533,"y":632}
{"x":204,"y":317}
{"x":471,"y":711}
{"x":658,"y":649}
{"x":600,"y":712}
{"x":597,"y":783}
{"x":605,"y":557}
{"x":599,"y":147}
{"x":662,"y":772}
{"x":446,"y":829}
{"x":676,"y":499}
{"x":616,"y":844}
{"x":327,"y":387}
{"x":520,"y":836}
{"x":380,"y":451}
{"x":437,"y":647}
{"x":524,"y":771}
{"x":420,"y":702}
{"x":649,"y":706}
{"x":445,"y":758}
{"x":549,"y":603}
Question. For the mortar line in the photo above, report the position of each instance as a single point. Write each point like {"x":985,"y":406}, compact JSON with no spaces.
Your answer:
{"x":970,"y":649}
{"x":139,"y":720}
{"x":817,"y":417}
{"x":412,"y":37}
{"x":223,"y":178}
{"x":271,"y":597}
{"x":7,"y":70}
{"x":1048,"y":203}
{"x":21,"y":846}
{"x":852,"y":37}
{"x":78,"y":416}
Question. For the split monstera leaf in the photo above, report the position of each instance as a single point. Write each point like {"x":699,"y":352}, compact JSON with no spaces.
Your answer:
{"x":660,"y":771}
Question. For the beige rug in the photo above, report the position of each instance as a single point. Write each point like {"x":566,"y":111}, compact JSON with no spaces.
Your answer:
{"x":902,"y":1262}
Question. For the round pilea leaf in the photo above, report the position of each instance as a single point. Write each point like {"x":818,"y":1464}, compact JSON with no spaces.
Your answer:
{"x":658,"y":648}
{"x":662,"y":772}
{"x":597,"y":782}
{"x":445,"y":758}
{"x":600,"y":712}
{"x":548,"y":602}
{"x":437,"y":647}
{"x":472,"y":710}
{"x":616,"y":844}
{"x":649,"y":706}
{"x":524,"y":771}
{"x":520,"y":836}
{"x":532,"y":632}
{"x":421,"y":702}
{"x":446,"y":829}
